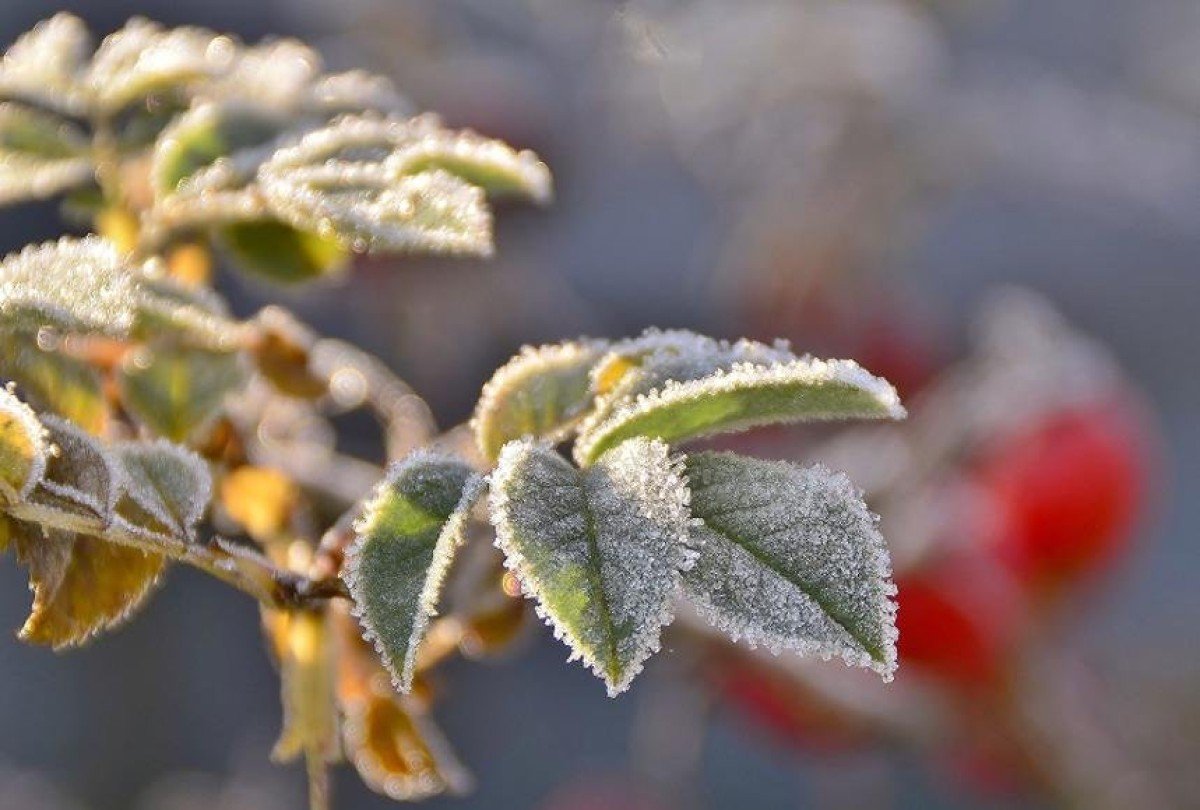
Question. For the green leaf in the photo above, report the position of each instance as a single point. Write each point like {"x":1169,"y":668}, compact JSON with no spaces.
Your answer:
{"x":170,"y":312}
{"x":791,"y":558}
{"x":167,"y":488}
{"x":490,"y":164}
{"x":80,"y":469}
{"x":53,"y":381}
{"x":599,"y":549}
{"x":81,"y":584}
{"x":40,"y":154}
{"x":204,"y":134}
{"x":279,"y":252}
{"x":143,"y":58}
{"x":75,"y":285}
{"x":395,"y":184}
{"x":745,"y":396}
{"x":24,"y":450}
{"x":411,"y":527}
{"x":176,"y":390}
{"x":540,"y":393}
{"x":43,"y":65}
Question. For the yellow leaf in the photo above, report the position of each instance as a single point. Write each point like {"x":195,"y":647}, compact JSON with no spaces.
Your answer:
{"x":23,"y":451}
{"x":388,"y":737}
{"x":190,"y":263}
{"x":81,"y":585}
{"x":259,"y":499}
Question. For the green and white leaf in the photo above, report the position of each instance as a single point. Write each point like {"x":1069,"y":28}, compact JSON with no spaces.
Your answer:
{"x":397,"y":184}
{"x":540,"y":393}
{"x":24,"y":448}
{"x":745,"y":396}
{"x":170,"y":312}
{"x":43,"y":66}
{"x":600,"y":549}
{"x":40,"y":154}
{"x":75,"y":285}
{"x":170,"y":484}
{"x":790,"y":558}
{"x":52,"y":381}
{"x":206,"y":133}
{"x":276,"y":251}
{"x":176,"y":390}
{"x":80,"y":469}
{"x":144,"y":58}
{"x":411,"y":527}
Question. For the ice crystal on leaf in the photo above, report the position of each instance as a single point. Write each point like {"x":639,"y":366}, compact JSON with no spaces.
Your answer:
{"x":81,"y":584}
{"x":44,"y":65}
{"x":744,"y":396}
{"x":80,"y":469}
{"x":143,"y":58}
{"x":40,"y":154}
{"x":411,"y":527}
{"x":397,"y":184}
{"x":76,"y":285}
{"x":540,"y":393}
{"x":601,"y":549}
{"x":24,"y":448}
{"x":790,"y":557}
{"x":168,"y":483}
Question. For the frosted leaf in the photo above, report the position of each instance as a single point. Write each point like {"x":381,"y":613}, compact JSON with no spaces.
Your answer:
{"x":745,"y":396}
{"x":397,"y":184}
{"x":540,"y":393}
{"x":143,"y":58}
{"x":178,"y":391}
{"x":193,"y":317}
{"x":81,"y":585}
{"x":275,"y":75}
{"x":77,"y":285}
{"x":411,"y":527}
{"x":80,"y":469}
{"x":166,"y":482}
{"x":205,"y":133}
{"x":43,"y":65}
{"x":434,"y":212}
{"x":52,"y":381}
{"x":638,"y":365}
{"x":40,"y":154}
{"x":599,"y":549}
{"x":388,"y":737}
{"x":355,"y":91}
{"x":281,"y":253}
{"x":24,"y":449}
{"x":791,"y":558}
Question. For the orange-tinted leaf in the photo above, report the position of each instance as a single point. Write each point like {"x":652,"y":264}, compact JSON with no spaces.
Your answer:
{"x":81,"y":585}
{"x":259,"y":499}
{"x":388,"y":737}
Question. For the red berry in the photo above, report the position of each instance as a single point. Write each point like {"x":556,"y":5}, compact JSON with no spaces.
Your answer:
{"x":783,"y":711}
{"x":1067,"y":493}
{"x":959,"y":619}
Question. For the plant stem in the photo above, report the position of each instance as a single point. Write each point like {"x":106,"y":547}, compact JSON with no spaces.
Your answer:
{"x":243,"y":568}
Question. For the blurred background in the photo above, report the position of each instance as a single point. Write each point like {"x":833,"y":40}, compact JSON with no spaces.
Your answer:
{"x":994,"y":203}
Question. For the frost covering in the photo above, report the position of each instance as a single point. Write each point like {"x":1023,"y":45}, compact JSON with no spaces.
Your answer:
{"x":790,"y":557}
{"x":746,"y":395}
{"x":73,"y":284}
{"x":601,"y":549}
{"x":411,"y":526}
{"x":541,"y":392}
